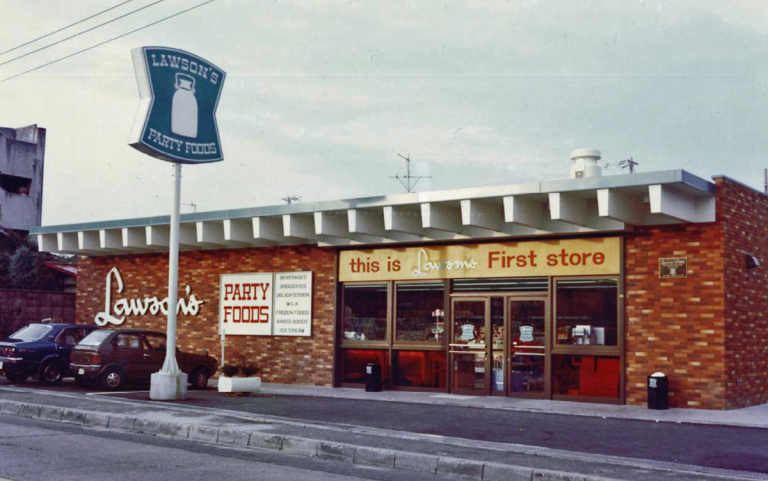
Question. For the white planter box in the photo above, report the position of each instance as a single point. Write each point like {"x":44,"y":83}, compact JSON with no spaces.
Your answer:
{"x":239,"y":384}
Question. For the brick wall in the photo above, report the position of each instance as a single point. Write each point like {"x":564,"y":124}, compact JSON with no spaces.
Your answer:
{"x":300,"y":360}
{"x":676,"y":325}
{"x":709,"y":332}
{"x":745,"y":217}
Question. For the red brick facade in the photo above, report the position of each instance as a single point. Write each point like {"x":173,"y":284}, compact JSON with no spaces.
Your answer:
{"x":707,"y":332}
{"x":300,"y":360}
{"x":745,"y":224}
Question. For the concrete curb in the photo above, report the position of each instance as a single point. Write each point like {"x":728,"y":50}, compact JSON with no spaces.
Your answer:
{"x":365,"y":456}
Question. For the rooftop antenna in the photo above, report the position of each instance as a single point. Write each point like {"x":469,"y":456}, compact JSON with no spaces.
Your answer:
{"x":291,"y":199}
{"x":628,"y":164}
{"x":191,"y":204}
{"x":407,"y":177}
{"x":765,"y":181}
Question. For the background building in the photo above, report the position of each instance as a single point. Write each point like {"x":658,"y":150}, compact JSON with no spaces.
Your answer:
{"x":22,"y":162}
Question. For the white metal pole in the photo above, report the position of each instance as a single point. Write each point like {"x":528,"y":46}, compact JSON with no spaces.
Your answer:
{"x":171,"y":366}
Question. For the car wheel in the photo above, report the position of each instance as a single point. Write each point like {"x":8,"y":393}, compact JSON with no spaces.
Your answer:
{"x":51,"y":373}
{"x":199,"y":378}
{"x":112,"y":379}
{"x":16,"y":377}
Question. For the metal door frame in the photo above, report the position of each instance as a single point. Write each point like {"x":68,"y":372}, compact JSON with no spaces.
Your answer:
{"x":451,"y":353}
{"x":529,"y":296}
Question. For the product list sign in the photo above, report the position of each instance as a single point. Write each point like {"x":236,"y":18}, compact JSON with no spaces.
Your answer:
{"x":179,"y":94}
{"x":266,"y":304}
{"x":293,"y":304}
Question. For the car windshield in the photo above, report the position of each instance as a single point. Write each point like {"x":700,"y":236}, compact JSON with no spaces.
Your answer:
{"x":32,"y":332}
{"x":94,"y":339}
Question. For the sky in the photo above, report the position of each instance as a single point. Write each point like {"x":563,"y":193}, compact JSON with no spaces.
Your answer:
{"x":321,"y":96}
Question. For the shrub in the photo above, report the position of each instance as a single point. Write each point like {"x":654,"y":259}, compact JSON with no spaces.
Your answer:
{"x":230,"y":370}
{"x":250,"y":370}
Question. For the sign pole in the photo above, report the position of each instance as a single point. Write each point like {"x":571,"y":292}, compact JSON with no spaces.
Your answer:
{"x":175,"y":122}
{"x":170,"y":383}
{"x":170,"y":366}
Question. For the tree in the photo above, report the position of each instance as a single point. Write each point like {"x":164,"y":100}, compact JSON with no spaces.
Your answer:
{"x":27,"y":270}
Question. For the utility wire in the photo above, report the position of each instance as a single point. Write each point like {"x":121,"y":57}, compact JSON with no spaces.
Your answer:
{"x":64,"y":28}
{"x":82,"y":33}
{"x":105,"y":42}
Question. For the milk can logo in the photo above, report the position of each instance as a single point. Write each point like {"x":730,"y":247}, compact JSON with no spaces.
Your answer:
{"x":179,"y":94}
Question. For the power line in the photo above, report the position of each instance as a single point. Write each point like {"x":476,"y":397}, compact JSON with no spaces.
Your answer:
{"x":105,"y":42}
{"x":81,"y":33}
{"x":64,"y":28}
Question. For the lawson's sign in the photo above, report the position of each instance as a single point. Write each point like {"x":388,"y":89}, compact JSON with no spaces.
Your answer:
{"x":179,"y":94}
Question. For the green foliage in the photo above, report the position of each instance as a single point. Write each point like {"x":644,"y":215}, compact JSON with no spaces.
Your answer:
{"x":230,"y":370}
{"x":247,"y":370}
{"x":27,"y":270}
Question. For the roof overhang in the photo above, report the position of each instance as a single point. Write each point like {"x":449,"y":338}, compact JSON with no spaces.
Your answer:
{"x":570,"y":206}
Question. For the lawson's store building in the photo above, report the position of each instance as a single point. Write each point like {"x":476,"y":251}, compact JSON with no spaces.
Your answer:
{"x":573,"y":289}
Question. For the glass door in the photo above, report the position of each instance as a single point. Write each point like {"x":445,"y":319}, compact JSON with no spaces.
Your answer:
{"x":468,"y":346}
{"x":528,"y":348}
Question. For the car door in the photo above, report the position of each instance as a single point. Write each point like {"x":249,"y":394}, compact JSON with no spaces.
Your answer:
{"x":65,"y":341}
{"x":128,"y":351}
{"x":155,"y":355}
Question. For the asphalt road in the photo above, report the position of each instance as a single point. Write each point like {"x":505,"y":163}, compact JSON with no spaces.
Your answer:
{"x":42,"y":450}
{"x":724,"y":447}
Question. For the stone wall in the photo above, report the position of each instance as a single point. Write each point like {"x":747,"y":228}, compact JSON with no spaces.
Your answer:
{"x":300,"y":360}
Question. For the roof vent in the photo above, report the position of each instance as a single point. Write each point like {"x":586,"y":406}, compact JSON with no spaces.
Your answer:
{"x":585,"y":163}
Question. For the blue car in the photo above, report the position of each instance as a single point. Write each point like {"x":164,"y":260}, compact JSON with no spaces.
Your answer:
{"x":41,"y":351}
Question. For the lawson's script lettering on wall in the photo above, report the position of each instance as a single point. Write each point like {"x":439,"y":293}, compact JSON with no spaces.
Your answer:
{"x":140,"y":307}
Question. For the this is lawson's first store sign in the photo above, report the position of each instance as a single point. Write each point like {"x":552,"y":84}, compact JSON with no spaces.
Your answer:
{"x":177,"y":116}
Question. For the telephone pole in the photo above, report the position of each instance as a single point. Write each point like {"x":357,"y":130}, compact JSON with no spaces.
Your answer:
{"x":407,"y":178}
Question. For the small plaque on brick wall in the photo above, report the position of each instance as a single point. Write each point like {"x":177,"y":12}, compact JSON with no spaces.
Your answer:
{"x":673,"y":267}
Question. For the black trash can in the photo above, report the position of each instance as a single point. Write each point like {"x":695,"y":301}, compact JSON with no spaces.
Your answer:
{"x":658,"y":391}
{"x":373,"y":378}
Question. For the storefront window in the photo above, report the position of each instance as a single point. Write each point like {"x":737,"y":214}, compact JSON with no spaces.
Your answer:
{"x":354,"y":361}
{"x":365,"y":312}
{"x":591,"y":376}
{"x":424,"y":369}
{"x":420,"y":312}
{"x":587,"y":312}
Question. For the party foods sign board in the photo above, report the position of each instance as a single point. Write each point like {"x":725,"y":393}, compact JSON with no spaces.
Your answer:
{"x":266,"y":304}
{"x":179,"y":94}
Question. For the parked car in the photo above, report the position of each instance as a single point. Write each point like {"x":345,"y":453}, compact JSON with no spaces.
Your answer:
{"x":41,"y":351}
{"x":114,"y":357}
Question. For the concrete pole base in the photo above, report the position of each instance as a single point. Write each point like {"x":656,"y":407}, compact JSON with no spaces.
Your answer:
{"x":168,"y":387}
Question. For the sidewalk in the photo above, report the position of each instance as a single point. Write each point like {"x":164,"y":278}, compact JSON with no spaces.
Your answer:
{"x":230,"y":423}
{"x":755,"y":416}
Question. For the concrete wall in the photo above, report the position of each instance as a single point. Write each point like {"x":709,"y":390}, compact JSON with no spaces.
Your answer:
{"x":300,"y":360}
{"x":22,"y":154}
